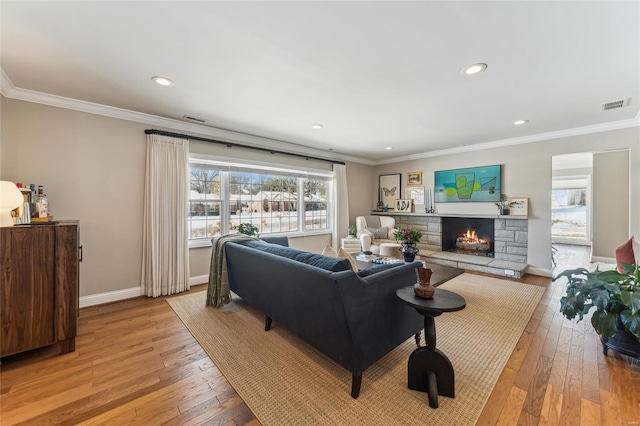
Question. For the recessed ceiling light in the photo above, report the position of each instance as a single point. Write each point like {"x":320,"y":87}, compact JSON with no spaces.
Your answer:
{"x":163,"y":81}
{"x":475,"y":68}
{"x":519,"y":122}
{"x":317,"y":126}
{"x":389,"y":148}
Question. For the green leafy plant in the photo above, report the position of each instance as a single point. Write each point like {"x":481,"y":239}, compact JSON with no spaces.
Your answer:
{"x":248,"y":229}
{"x":504,"y":202}
{"x":615,"y":297}
{"x":407,"y":236}
{"x":352,"y":230}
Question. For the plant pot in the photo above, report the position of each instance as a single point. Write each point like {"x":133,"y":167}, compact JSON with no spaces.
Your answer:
{"x":505,"y":212}
{"x":409,"y":251}
{"x":623,"y":342}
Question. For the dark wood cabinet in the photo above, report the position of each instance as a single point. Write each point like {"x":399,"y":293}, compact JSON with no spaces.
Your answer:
{"x":39,"y":278}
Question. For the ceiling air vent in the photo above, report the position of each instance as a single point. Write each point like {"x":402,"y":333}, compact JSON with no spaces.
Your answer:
{"x":197,"y":120}
{"x":615,"y":104}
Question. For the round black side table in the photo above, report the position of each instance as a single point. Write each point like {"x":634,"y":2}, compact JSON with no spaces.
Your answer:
{"x":429,"y":369}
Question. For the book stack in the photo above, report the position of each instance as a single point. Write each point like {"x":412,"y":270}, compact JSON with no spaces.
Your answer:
{"x":351,"y":245}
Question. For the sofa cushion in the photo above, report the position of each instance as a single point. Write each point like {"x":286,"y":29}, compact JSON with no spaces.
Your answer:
{"x":624,"y":253}
{"x":379,"y":233}
{"x":378,"y":268}
{"x":329,"y":251}
{"x":325,"y":262}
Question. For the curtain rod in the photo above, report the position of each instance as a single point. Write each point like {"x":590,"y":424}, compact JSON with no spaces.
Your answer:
{"x":232,"y":144}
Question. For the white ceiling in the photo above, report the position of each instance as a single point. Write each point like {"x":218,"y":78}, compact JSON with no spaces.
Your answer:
{"x":375,"y":74}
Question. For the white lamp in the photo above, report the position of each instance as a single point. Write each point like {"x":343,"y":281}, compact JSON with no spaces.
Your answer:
{"x":10,"y":198}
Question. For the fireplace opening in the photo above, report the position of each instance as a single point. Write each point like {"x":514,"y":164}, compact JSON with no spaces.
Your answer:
{"x":464,"y":235}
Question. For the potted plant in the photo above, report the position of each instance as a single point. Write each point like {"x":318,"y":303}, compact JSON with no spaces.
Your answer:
{"x":408,"y":239}
{"x":504,"y":205}
{"x":352,"y":231}
{"x":615,"y":298}
{"x":248,"y":229}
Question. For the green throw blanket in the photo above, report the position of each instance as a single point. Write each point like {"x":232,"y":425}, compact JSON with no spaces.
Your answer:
{"x":218,"y":292}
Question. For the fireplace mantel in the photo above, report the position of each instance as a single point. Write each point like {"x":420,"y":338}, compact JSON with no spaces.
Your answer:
{"x":472,"y":215}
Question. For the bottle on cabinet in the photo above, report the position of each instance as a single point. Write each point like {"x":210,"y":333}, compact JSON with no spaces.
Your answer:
{"x":42,"y":204}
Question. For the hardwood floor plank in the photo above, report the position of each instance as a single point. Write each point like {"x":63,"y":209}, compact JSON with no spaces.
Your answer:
{"x":590,"y":412}
{"x":498,"y":398}
{"x":512,"y":410}
{"x":551,"y":407}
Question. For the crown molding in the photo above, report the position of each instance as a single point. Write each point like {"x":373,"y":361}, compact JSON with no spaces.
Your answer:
{"x":10,"y":91}
{"x":597,"y":128}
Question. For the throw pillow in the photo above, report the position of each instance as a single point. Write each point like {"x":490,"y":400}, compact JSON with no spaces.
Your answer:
{"x":329,"y":251}
{"x":344,"y":255}
{"x":624,"y":253}
{"x":379,"y":233}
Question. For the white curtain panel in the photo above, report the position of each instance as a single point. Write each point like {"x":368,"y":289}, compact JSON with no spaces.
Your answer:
{"x":165,"y":250}
{"x":340,"y":204}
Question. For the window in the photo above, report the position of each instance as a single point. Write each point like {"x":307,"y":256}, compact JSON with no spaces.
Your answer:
{"x":223,"y":195}
{"x":570,"y":209}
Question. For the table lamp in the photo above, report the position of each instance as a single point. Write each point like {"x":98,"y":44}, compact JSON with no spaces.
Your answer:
{"x":10,"y":198}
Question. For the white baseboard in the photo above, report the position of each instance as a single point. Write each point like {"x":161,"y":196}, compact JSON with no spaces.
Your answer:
{"x":110,"y":296}
{"x":540,"y":272}
{"x":600,"y":259}
{"x":199,"y":279}
{"x":127,"y":293}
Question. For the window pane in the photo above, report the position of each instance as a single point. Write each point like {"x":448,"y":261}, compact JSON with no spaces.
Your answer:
{"x":204,"y":219}
{"x":569,"y":213}
{"x":315,"y":204}
{"x":268,"y":201}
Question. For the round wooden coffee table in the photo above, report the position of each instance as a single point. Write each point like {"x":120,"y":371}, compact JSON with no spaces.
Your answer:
{"x":429,"y":369}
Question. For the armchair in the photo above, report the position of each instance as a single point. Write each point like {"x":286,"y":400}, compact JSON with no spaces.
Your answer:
{"x":375,"y":230}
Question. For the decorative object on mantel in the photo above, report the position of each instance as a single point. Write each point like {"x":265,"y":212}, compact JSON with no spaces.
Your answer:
{"x":414,"y":178}
{"x":408,"y":239}
{"x":519,"y":206}
{"x":415,"y":193}
{"x":428,"y":203}
{"x":403,"y":206}
{"x":423,"y":287}
{"x":616,"y":297}
{"x":504,"y":205}
{"x":390,"y":189}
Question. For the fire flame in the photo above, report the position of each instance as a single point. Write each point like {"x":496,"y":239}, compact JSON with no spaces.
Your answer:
{"x":471,"y":237}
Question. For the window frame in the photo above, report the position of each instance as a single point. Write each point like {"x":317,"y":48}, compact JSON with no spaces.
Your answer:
{"x":227,"y":166}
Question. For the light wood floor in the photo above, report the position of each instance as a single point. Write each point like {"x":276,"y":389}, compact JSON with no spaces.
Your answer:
{"x":135,"y":363}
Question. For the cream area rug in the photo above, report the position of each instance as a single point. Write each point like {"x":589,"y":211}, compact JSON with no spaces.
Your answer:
{"x":284,"y":381}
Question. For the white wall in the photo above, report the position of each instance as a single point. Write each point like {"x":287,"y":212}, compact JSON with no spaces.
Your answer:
{"x":610,"y":203}
{"x":527,"y":173}
{"x":92,"y":169}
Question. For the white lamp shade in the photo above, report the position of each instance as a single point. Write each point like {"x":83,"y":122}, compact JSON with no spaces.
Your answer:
{"x":10,"y":198}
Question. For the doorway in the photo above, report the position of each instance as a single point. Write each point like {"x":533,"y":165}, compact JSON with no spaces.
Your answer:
{"x":571,"y":207}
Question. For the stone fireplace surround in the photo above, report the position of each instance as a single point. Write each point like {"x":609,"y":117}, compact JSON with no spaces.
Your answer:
{"x":510,"y":243}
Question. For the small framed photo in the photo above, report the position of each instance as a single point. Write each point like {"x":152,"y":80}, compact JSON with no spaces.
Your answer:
{"x":415,"y":193}
{"x":520,"y":206}
{"x":414,"y":178}
{"x":403,"y":206}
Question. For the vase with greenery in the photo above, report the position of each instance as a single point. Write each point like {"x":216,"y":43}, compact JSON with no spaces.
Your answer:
{"x":408,"y":239}
{"x":614,"y":298}
{"x":504,"y":205}
{"x":248,"y":229}
{"x":352,"y":230}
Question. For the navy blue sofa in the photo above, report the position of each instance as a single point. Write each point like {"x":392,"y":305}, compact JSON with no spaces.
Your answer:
{"x":353,"y":318}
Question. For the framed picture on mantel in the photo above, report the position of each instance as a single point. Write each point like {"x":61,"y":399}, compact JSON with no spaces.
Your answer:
{"x":390,"y":189}
{"x":520,"y":206}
